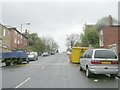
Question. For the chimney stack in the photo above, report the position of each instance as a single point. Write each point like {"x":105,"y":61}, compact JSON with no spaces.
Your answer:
{"x":110,"y":20}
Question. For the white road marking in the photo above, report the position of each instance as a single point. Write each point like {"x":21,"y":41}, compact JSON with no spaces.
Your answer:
{"x":22,"y":83}
{"x":43,"y":67}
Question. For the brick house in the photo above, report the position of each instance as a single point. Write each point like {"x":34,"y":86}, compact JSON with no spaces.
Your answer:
{"x":109,"y":36}
{"x":18,"y":40}
{"x":0,"y":38}
{"x":4,"y":39}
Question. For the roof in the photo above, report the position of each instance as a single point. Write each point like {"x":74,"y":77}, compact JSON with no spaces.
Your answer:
{"x":11,"y":27}
{"x":100,"y":49}
{"x":17,"y":31}
{"x":110,"y":26}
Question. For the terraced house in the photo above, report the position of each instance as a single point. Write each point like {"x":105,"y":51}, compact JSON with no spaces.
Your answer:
{"x":110,"y":36}
{"x":18,"y":40}
{"x":5,"y":39}
{"x":12,"y":39}
{"x":0,"y":38}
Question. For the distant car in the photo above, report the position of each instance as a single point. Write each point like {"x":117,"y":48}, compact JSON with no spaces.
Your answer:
{"x":99,"y":61}
{"x":68,"y":52}
{"x":52,"y":53}
{"x":45,"y":54}
{"x":32,"y":56}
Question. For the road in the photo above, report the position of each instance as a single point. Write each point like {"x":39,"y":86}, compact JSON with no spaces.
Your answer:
{"x":54,"y":71}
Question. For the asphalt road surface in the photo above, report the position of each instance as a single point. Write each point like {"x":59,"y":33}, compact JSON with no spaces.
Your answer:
{"x":54,"y":71}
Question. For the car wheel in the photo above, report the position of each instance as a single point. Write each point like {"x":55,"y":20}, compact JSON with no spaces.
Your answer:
{"x":113,"y":75}
{"x":20,"y":61}
{"x":81,"y":69}
{"x":27,"y":61}
{"x":88,"y":73}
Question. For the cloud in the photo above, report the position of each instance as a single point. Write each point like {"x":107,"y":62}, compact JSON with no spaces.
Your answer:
{"x":56,"y":19}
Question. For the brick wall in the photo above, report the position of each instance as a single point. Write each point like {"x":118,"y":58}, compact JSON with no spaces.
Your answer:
{"x":18,"y":40}
{"x":110,"y":35}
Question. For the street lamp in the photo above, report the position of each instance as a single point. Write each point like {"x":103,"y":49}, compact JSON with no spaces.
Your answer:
{"x":22,"y":26}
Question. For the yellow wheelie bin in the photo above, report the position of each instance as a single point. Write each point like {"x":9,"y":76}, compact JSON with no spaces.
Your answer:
{"x":77,"y":52}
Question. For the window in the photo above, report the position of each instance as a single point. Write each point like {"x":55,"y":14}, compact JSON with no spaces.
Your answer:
{"x":15,"y":40}
{"x":18,"y":42}
{"x":15,"y":32}
{"x":85,"y":54}
{"x":106,"y":54}
{"x":4,"y":32}
{"x":21,"y":36}
{"x":88,"y":54}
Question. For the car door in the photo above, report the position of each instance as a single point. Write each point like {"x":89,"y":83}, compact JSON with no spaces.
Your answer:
{"x":84,"y":59}
{"x":88,"y":58}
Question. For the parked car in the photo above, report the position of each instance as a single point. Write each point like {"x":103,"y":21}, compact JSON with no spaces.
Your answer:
{"x":99,"y":61}
{"x":45,"y":54}
{"x":33,"y":56}
{"x":52,"y":53}
{"x":68,"y":52}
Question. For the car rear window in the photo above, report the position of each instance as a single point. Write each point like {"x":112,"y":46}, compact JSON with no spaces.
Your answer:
{"x":107,"y":54}
{"x":31,"y":53}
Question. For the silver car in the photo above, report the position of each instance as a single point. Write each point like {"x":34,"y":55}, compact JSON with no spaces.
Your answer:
{"x":45,"y":54}
{"x":99,"y":61}
{"x":33,"y":56}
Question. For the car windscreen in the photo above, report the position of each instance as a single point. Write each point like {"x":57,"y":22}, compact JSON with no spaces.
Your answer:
{"x":31,"y":53}
{"x":106,"y":54}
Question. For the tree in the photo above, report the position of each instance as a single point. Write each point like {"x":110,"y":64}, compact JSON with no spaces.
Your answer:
{"x":104,"y":21}
{"x":90,"y":37}
{"x":72,"y":40}
{"x":91,"y":32}
{"x":35,"y":43}
{"x":50,"y":44}
{"x":41,"y":45}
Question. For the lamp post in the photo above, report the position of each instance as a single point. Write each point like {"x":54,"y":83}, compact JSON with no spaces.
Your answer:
{"x":22,"y":25}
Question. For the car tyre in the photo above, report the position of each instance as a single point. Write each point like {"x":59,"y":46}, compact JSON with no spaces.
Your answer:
{"x":34,"y":59}
{"x":81,"y":69}
{"x":20,"y":61}
{"x":37,"y":58}
{"x":88,"y":73}
{"x":113,"y":75}
{"x":27,"y":62}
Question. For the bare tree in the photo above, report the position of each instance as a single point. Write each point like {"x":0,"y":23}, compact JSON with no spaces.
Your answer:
{"x":72,"y":40}
{"x":50,"y":44}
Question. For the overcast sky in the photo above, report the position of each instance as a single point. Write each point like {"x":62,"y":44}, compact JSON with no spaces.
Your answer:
{"x":56,"y":18}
